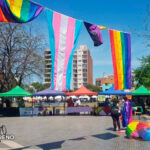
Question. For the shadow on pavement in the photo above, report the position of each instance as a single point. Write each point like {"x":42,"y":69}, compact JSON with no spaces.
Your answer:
{"x":46,"y":146}
{"x":21,"y":148}
{"x":78,"y":139}
{"x":110,"y":129}
{"x":105,"y":136}
{"x":53,"y":145}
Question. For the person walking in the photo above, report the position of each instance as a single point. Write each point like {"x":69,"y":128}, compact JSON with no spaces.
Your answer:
{"x":115,"y":113}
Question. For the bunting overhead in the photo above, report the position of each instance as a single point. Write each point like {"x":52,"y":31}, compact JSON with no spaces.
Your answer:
{"x":63,"y":34}
{"x":18,"y":11}
{"x":121,"y":57}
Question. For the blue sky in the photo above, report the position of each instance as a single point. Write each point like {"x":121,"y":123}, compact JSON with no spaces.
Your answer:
{"x":123,"y":15}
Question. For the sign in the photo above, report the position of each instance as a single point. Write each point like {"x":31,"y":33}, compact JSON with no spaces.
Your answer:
{"x":29,"y":111}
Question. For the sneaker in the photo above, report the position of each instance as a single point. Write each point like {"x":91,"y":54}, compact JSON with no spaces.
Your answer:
{"x":114,"y":129}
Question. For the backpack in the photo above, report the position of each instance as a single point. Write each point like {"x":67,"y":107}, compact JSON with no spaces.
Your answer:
{"x":114,"y":111}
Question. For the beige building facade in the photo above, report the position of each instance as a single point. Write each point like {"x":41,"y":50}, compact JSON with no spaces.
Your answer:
{"x":82,"y":67}
{"x":48,"y":66}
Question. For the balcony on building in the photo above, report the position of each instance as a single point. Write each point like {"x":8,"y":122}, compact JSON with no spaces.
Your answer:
{"x":84,"y":70}
{"x":84,"y":56}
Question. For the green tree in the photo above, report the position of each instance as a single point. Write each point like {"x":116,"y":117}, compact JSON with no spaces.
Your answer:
{"x":142,"y":73}
{"x":93,"y":88}
{"x":39,"y":86}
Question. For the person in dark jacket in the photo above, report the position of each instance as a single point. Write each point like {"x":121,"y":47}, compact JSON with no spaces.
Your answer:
{"x":115,"y":113}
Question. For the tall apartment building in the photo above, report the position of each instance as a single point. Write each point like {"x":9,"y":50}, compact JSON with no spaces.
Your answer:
{"x":82,"y":67}
{"x":48,"y":66}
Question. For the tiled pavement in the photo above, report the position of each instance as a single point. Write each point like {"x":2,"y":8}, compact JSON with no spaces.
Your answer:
{"x":68,"y":133}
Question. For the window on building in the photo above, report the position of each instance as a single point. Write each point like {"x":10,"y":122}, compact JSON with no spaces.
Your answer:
{"x":84,"y":52}
{"x":75,"y":75}
{"x":85,"y":79}
{"x":85,"y":84}
{"x":84,"y":70}
{"x":84,"y":74}
{"x":75,"y":61}
{"x":75,"y":70}
{"x":84,"y":66}
{"x":98,"y":83}
{"x":84,"y":61}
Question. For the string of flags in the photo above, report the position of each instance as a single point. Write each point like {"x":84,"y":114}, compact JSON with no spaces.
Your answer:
{"x":18,"y":11}
{"x":63,"y":36}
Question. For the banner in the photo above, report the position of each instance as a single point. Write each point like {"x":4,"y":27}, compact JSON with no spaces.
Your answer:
{"x":63,"y":35}
{"x":121,"y":57}
{"x":18,"y":11}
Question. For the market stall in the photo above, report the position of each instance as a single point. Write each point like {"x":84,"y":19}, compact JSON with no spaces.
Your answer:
{"x":17,"y":92}
{"x":140,"y":96}
{"x":105,"y":109}
{"x":49,"y":92}
{"x":79,"y":108}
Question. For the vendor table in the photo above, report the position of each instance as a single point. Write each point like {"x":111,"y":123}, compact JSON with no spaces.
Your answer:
{"x":78,"y":109}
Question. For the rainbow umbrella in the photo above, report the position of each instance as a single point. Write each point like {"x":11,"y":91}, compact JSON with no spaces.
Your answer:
{"x":145,"y":134}
{"x":131,"y":128}
{"x":142,"y":126}
{"x":144,"y":131}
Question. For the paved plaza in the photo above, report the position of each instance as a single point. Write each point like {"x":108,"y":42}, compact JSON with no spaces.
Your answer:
{"x":67,"y":133}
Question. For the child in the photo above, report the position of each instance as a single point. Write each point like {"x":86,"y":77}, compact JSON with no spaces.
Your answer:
{"x":115,"y":113}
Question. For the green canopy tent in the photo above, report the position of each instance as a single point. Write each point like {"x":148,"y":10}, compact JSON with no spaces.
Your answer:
{"x":141,"y":91}
{"x":16,"y":92}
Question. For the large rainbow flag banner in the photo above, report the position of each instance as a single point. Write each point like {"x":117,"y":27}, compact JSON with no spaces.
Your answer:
{"x":18,"y":11}
{"x":121,"y":57}
{"x":63,"y":34}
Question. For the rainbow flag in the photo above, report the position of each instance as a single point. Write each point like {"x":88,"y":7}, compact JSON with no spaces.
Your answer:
{"x":121,"y":57}
{"x":18,"y":11}
{"x":63,"y":34}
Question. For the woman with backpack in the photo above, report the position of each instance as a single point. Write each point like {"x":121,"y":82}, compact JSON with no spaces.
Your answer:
{"x":115,"y":114}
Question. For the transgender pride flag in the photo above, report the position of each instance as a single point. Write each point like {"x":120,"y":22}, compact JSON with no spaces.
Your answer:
{"x":63,"y":34}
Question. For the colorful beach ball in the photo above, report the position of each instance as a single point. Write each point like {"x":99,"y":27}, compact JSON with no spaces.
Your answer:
{"x":131,"y":128}
{"x":144,"y":131}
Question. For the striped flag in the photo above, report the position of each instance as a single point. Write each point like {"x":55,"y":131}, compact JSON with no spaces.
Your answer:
{"x":18,"y":11}
{"x":63,"y":34}
{"x":121,"y":57}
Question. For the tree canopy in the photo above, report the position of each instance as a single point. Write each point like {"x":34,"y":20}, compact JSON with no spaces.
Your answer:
{"x":93,"y":88}
{"x":142,"y":73}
